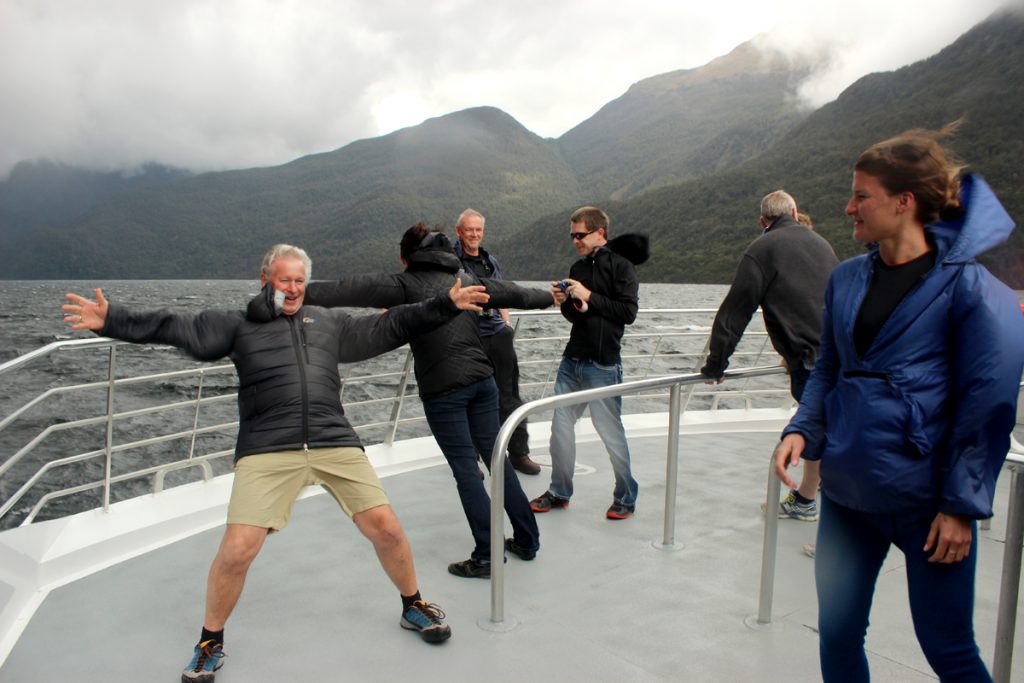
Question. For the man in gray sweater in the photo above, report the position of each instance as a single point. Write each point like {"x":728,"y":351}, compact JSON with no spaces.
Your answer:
{"x":785,"y":272}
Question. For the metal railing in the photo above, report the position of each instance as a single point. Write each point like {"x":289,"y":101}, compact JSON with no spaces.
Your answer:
{"x":1009,"y":583}
{"x":660,"y":338}
{"x":674,"y":385}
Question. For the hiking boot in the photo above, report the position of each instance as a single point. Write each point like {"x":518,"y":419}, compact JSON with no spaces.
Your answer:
{"x":428,"y":619}
{"x":470,"y":569}
{"x":620,"y":511}
{"x":206,"y":659}
{"x":522,"y":463}
{"x":546,"y":502}
{"x":518,"y":551}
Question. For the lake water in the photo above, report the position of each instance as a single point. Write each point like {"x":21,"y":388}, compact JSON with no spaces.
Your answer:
{"x":31,"y":317}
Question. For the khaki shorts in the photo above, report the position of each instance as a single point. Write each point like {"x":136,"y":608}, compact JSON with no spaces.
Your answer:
{"x":267,"y":484}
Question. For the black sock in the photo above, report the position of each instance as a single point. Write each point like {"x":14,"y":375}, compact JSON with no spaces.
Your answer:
{"x":216,"y":636}
{"x":800,"y":499}
{"x":408,"y":600}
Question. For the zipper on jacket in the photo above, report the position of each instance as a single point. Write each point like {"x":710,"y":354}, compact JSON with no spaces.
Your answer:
{"x":299,"y":348}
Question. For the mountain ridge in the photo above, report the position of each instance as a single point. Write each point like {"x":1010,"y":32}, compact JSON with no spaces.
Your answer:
{"x":693,"y":150}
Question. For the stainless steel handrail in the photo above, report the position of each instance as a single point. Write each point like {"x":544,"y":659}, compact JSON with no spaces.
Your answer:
{"x":1009,"y":583}
{"x":673,"y":383}
{"x":681,"y":322}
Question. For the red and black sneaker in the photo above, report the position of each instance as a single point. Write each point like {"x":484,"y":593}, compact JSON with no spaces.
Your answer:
{"x":620,"y":511}
{"x":546,"y":502}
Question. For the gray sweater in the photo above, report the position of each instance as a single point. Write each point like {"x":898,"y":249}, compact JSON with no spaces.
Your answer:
{"x":784,"y":271}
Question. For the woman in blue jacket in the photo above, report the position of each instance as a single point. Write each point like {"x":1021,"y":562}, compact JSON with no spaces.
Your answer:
{"x":911,"y":404}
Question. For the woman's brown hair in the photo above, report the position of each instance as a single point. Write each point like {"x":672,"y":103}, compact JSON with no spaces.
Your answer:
{"x":915,"y":162}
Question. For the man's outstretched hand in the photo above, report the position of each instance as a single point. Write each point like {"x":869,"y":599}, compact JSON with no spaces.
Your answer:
{"x":468,"y":298}
{"x":85,"y":314}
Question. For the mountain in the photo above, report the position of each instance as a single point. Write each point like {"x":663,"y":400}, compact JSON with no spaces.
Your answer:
{"x":700,"y":228}
{"x":44,"y":194}
{"x":684,"y":157}
{"x":349,"y":206}
{"x":688,"y":124}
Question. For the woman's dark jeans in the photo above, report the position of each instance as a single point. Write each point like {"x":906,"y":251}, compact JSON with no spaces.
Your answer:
{"x":465,"y":423}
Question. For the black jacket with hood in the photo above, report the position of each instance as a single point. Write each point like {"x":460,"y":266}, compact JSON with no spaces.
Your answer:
{"x":449,"y":357}
{"x":614,"y":300}
{"x":288,"y":383}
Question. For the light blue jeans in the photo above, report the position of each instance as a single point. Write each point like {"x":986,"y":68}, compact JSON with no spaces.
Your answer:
{"x":575,"y":375}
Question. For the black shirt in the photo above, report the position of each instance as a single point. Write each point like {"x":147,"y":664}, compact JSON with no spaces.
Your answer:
{"x":889,"y":284}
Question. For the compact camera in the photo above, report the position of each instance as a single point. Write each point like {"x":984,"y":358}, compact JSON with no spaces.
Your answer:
{"x":562,"y":285}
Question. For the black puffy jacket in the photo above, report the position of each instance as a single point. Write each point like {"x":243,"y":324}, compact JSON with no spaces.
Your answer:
{"x":288,"y":384}
{"x":450,"y":357}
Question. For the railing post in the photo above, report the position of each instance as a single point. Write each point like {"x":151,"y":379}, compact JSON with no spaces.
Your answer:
{"x":396,"y":409}
{"x":195,"y":417}
{"x":1009,"y":589}
{"x":672,"y":466}
{"x":769,"y":547}
{"x":108,"y":445}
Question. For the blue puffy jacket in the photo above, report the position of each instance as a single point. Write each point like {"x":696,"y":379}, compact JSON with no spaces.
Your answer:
{"x":922,"y":420}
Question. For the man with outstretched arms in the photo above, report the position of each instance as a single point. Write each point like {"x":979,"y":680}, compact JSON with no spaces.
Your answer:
{"x":454,"y":379}
{"x":292,"y":429}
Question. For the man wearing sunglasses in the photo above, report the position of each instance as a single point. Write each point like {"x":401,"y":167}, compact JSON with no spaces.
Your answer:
{"x":600,"y":297}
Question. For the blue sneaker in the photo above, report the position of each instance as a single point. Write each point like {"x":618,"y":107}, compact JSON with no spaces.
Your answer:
{"x":804,"y":512}
{"x":789,"y":508}
{"x":428,"y":619}
{"x":206,"y":659}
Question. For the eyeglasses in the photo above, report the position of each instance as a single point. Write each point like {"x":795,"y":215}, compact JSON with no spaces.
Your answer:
{"x":579,"y":235}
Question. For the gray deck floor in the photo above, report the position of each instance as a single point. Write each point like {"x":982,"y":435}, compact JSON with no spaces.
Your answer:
{"x":600,"y":603}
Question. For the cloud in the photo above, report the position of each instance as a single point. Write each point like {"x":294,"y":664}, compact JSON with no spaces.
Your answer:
{"x":207,"y":85}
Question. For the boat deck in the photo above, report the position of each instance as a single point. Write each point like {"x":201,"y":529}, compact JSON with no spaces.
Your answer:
{"x":602,"y":602}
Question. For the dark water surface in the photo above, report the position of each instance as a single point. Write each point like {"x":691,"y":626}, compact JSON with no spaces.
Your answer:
{"x":31,"y":318}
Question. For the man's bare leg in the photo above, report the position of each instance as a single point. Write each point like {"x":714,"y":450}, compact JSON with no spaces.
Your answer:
{"x":381,"y":526}
{"x":811,"y":478}
{"x":238,"y":548}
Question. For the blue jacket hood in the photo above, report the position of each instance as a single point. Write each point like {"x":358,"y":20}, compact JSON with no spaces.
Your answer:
{"x":982,"y":225}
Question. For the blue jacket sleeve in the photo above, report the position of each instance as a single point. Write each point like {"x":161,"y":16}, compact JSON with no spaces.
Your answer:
{"x":809,"y":420}
{"x":988,"y":348}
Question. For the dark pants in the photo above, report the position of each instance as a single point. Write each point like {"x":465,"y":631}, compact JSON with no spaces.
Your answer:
{"x":850,"y":549}
{"x":501,"y":351}
{"x":465,"y":422}
{"x":798,"y":376}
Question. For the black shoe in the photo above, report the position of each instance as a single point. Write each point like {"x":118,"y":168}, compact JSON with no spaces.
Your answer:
{"x":522,"y":463}
{"x":470,"y":569}
{"x":620,"y":511}
{"x":521,"y":553}
{"x":546,"y":502}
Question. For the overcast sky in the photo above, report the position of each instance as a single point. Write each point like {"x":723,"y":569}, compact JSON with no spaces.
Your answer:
{"x":216,"y":84}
